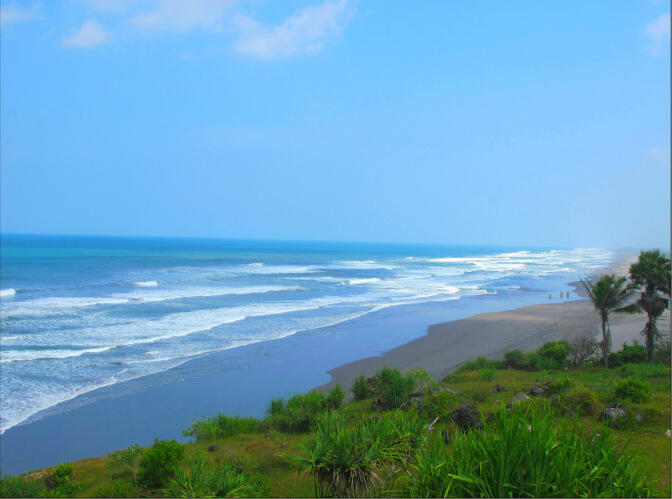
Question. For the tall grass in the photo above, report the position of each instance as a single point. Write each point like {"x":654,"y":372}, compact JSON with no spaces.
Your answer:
{"x":201,"y":479}
{"x":524,"y":454}
{"x":222,"y":426}
{"x":18,"y":486}
{"x":353,"y":460}
{"x":299,"y":413}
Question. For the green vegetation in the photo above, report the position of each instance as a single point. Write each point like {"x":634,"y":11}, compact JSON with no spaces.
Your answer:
{"x":405,"y":434}
{"x":652,"y":272}
{"x":159,"y":462}
{"x":608,"y":294}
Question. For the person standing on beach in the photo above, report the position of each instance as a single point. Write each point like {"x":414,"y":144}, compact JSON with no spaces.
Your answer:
{"x":549,"y":296}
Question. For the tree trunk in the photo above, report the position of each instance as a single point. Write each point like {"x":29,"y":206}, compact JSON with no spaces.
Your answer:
{"x":605,"y":344}
{"x":650,"y":333}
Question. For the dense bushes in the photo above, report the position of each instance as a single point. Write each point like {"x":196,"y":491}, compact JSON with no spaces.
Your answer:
{"x":523,"y":454}
{"x":222,"y":426}
{"x":18,"y":486}
{"x":633,"y":354}
{"x":159,"y":462}
{"x":360,"y":388}
{"x":631,"y":388}
{"x":203,"y":480}
{"x":300,"y":411}
{"x":392,"y":389}
{"x":481,"y":363}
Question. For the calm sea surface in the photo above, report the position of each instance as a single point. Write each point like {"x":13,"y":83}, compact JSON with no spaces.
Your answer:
{"x":79,"y":313}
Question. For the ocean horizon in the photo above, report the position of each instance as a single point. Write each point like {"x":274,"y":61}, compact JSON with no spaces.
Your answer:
{"x":80,"y":313}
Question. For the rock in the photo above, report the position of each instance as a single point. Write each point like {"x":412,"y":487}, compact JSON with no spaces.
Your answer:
{"x":466,"y":417}
{"x":283,"y":444}
{"x":212,"y":447}
{"x":667,"y":433}
{"x":640,"y":418}
{"x":540,"y":390}
{"x":498,"y":388}
{"x":239,"y":469}
{"x":613,"y":413}
{"x":517,"y":399}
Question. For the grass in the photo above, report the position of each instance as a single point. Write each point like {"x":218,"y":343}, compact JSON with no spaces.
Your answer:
{"x":364,"y":449}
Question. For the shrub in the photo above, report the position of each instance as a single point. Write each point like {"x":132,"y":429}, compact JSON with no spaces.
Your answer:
{"x":425,"y":382}
{"x":556,"y":352}
{"x":561,"y":385}
{"x":634,"y":353}
{"x":222,"y":426}
{"x":203,"y":480}
{"x":360,"y":388}
{"x":631,"y":388}
{"x":439,"y":404}
{"x":523,"y":455}
{"x":117,"y":489}
{"x":486,"y":374}
{"x":125,"y":458}
{"x":159,"y":462}
{"x":392,"y":388}
{"x":345,"y":461}
{"x":18,"y":486}
{"x":481,"y":363}
{"x":335,"y":397}
{"x":59,"y":482}
{"x":662,"y":351}
{"x":577,"y":401}
{"x":582,"y":351}
{"x":298,"y":413}
{"x":516,"y":359}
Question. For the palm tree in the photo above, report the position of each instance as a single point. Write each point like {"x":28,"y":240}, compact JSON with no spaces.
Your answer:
{"x":652,"y":272}
{"x":608,"y":294}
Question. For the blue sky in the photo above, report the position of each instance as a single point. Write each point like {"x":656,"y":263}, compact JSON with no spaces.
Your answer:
{"x":485,"y":122}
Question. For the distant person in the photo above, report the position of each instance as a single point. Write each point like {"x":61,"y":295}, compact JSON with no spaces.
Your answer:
{"x":549,"y":296}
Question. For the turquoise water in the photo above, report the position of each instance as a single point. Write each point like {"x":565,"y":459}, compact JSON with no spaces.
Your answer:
{"x":79,"y":313}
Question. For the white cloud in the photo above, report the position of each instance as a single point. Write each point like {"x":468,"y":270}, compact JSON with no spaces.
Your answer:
{"x":89,"y":35}
{"x":658,"y":34}
{"x":659,"y":153}
{"x":184,"y":15}
{"x":304,"y":32}
{"x":12,"y":13}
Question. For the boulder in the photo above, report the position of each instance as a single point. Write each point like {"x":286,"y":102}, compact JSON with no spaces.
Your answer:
{"x":517,"y":399}
{"x":466,"y":417}
{"x":614,"y":413}
{"x":498,"y":388}
{"x":212,"y":447}
{"x":540,"y":390}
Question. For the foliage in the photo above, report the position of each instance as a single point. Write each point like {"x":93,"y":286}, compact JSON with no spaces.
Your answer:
{"x":607,"y":294}
{"x":346,"y":460}
{"x":117,"y":488}
{"x":18,"y":486}
{"x":561,"y":385}
{"x":125,"y":458}
{"x":360,"y":388}
{"x":426,"y":383}
{"x":393,"y":389}
{"x":222,"y":426}
{"x":203,"y":480}
{"x":299,"y":412}
{"x":631,"y":388}
{"x":439,"y":404}
{"x":652,"y":272}
{"x":577,"y":401}
{"x":335,"y":397}
{"x":159,"y":462}
{"x":481,"y":363}
{"x":486,"y":374}
{"x":523,"y":454}
{"x":59,"y":483}
{"x":555,"y":351}
{"x":662,"y":351}
{"x":634,"y":353}
{"x":582,"y":351}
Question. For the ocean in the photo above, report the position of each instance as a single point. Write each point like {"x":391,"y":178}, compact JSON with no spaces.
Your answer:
{"x":79,"y":313}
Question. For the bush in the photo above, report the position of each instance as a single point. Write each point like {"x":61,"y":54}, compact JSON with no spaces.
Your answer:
{"x":486,"y":374}
{"x":561,"y":385}
{"x":392,"y":388}
{"x":345,"y":461}
{"x":117,"y":489}
{"x":481,"y":363}
{"x":631,"y":388}
{"x":556,"y":352}
{"x":439,"y":404}
{"x":18,"y":486}
{"x":662,"y":351}
{"x":516,"y":359}
{"x":222,"y":426}
{"x":360,"y":388}
{"x":59,"y":482}
{"x":634,"y":354}
{"x":203,"y":480}
{"x":159,"y":462}
{"x":583,"y":351}
{"x":298,"y":413}
{"x":577,"y":401}
{"x":523,"y":454}
{"x":335,"y":397}
{"x":125,"y":458}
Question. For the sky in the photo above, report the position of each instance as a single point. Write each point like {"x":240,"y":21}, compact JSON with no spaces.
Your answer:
{"x":467,"y":122}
